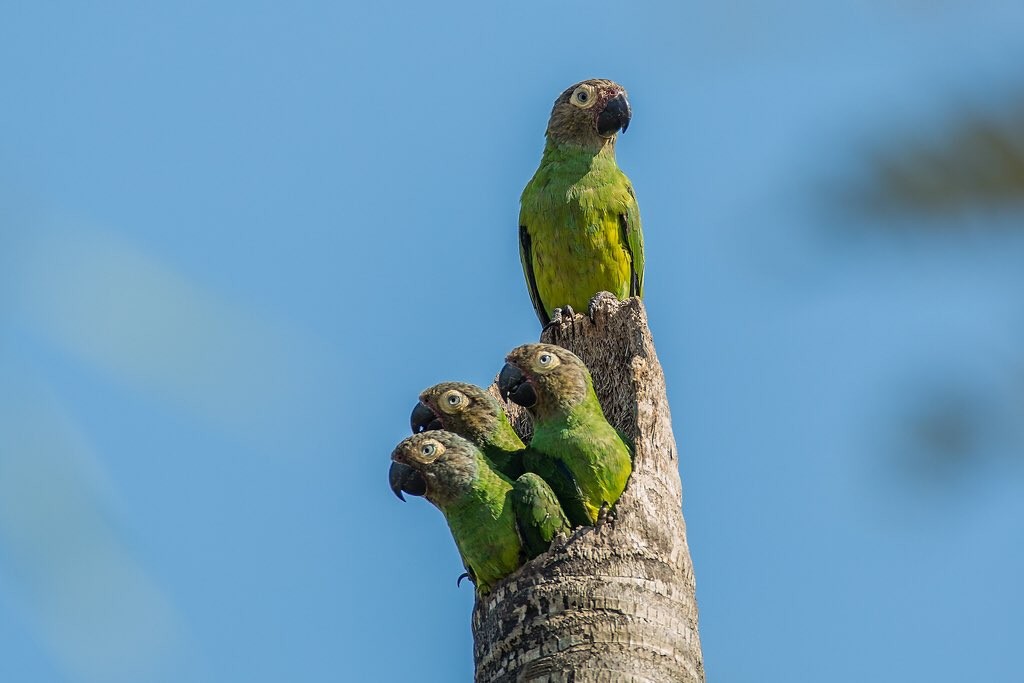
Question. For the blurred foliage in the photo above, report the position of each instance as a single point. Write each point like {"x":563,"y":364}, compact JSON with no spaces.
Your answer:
{"x":965,"y":174}
{"x":941,"y":433}
{"x":977,"y":161}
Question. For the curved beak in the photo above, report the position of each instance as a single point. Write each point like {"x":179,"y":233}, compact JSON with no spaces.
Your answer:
{"x":616,"y":115}
{"x":403,"y":478}
{"x":513,"y":385}
{"x":423,"y":419}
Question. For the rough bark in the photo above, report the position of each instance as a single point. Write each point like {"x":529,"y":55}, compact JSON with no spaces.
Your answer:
{"x":614,"y":602}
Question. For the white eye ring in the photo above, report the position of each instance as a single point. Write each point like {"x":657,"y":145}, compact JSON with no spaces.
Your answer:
{"x":452,"y":401}
{"x":429,"y":451}
{"x":583,"y":97}
{"x":547,"y":360}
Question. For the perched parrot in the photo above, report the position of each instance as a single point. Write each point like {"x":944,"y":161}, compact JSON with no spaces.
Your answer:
{"x":579,"y":223}
{"x":574,"y":449}
{"x":497,"y":525}
{"x":474,"y":414}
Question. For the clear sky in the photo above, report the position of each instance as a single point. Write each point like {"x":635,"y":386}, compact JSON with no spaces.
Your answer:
{"x":237,"y":239}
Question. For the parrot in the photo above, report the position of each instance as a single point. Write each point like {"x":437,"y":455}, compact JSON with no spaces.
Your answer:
{"x":474,"y":414}
{"x":497,"y":524}
{"x":579,"y":223}
{"x":582,"y":457}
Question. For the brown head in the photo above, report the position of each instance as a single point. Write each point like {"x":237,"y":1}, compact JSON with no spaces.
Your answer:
{"x":545,"y":379}
{"x":458,"y":407}
{"x":589,"y":114}
{"x":438,"y":465}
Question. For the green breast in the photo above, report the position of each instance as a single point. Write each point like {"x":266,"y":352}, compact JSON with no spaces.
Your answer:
{"x":595,"y":456}
{"x":571,"y":209}
{"x":484,"y":528}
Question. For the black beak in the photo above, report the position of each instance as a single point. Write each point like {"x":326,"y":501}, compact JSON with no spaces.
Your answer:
{"x":405,"y":479}
{"x":513,"y":385}
{"x":616,"y":115}
{"x":423,"y":419}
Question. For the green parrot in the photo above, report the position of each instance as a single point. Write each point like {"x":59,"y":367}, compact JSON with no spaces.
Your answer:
{"x":497,"y":525}
{"x":574,"y":448}
{"x":473,"y":414}
{"x":579,"y":223}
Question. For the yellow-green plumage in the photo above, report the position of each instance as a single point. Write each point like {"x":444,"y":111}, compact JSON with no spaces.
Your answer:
{"x":476,"y":501}
{"x":574,"y":449}
{"x":539,"y":515}
{"x":579,"y":223}
{"x":497,"y":524}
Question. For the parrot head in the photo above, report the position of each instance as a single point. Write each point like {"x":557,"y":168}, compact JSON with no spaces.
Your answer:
{"x":457,"y":407}
{"x":590,"y":113}
{"x":544,"y":378}
{"x":438,"y":465}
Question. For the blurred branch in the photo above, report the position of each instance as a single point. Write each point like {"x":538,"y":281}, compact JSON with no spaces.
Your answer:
{"x":941,"y":433}
{"x":977,"y":161}
{"x":965,"y":172}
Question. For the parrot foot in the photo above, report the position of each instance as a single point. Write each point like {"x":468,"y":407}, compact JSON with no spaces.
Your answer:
{"x":597,"y":307}
{"x":604,"y":515}
{"x":464,"y":575}
{"x":558,"y":316}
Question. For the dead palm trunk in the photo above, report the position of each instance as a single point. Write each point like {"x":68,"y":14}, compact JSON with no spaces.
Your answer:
{"x":614,"y":602}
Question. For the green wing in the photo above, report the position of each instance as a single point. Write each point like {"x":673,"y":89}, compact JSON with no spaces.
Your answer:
{"x":526,"y":256}
{"x":562,"y":483}
{"x":633,"y":241}
{"x":539,"y":516}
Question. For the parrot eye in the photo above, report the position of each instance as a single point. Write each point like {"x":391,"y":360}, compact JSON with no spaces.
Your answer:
{"x":583,"y":96}
{"x":430,"y":451}
{"x":547,"y":360}
{"x":453,"y":401}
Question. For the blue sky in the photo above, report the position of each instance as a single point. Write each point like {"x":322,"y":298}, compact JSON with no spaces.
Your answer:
{"x":237,"y":240}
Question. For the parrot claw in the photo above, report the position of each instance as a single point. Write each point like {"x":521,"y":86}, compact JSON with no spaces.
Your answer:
{"x":604,"y":515}
{"x":556,"y":319}
{"x":594,"y":308}
{"x":561,"y":315}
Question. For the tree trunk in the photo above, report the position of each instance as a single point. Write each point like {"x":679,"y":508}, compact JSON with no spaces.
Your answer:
{"x":615,"y":602}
